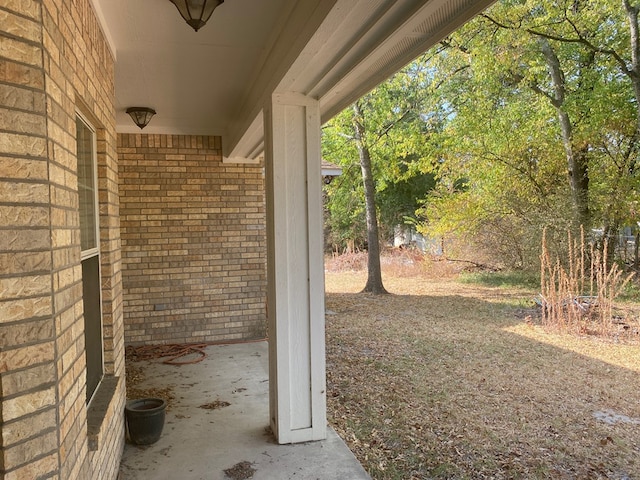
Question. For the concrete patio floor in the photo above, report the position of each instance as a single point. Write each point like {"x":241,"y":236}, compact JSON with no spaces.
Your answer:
{"x":200,"y":444}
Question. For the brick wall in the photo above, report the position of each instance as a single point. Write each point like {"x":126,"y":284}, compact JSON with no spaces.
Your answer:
{"x":54,"y":61}
{"x":27,"y":333}
{"x":193,"y":241}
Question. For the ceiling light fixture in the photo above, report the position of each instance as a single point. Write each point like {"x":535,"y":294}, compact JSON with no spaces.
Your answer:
{"x":141,"y":115}
{"x":196,"y":12}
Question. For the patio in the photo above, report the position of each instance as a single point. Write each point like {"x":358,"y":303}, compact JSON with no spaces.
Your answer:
{"x":114,"y":237}
{"x":201,"y":443}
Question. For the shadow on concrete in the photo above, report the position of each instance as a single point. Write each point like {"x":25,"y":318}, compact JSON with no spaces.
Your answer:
{"x":201,"y":443}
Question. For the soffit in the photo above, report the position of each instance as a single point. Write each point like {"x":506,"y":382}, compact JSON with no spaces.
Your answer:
{"x":358,"y":45}
{"x":194,"y":80}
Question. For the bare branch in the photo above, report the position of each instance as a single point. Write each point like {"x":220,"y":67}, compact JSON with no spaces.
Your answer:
{"x":580,"y":39}
{"x":393,"y":123}
{"x":449,"y":77}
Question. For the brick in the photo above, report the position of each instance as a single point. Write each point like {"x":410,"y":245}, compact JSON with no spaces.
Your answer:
{"x":34,"y":377}
{"x":40,"y":468}
{"x":30,"y":8}
{"x":20,"y":26}
{"x":182,"y":247}
{"x":17,"y":407}
{"x":23,"y":216}
{"x":24,"y":286}
{"x":25,"y":262}
{"x":18,"y":334}
{"x":15,"y":97}
{"x":21,"y":168}
{"x":17,"y":192}
{"x":39,"y":251}
{"x":21,"y":52}
{"x":24,"y":309}
{"x":17,"y":358}
{"x":68,"y":297}
{"x":30,"y":427}
{"x":22,"y":122}
{"x":23,"y":145}
{"x":24,"y":452}
{"x":24,"y":240}
{"x":14,"y":192}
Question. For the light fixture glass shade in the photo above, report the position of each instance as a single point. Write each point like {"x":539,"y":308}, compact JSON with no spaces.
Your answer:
{"x":141,"y":115}
{"x":196,"y":12}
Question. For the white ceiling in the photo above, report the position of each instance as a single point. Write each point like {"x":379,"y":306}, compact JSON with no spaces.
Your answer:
{"x":215,"y":81}
{"x":192,"y":79}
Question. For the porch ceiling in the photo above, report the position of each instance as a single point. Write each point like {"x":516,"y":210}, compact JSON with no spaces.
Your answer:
{"x":215,"y":81}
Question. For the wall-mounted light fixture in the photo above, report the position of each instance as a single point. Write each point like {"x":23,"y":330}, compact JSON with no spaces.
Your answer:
{"x":196,"y":12}
{"x":141,"y":115}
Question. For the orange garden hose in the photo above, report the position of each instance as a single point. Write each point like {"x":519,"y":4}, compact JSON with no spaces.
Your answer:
{"x":175,"y":351}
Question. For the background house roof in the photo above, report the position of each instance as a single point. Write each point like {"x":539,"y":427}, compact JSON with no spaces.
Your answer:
{"x":330,"y":169}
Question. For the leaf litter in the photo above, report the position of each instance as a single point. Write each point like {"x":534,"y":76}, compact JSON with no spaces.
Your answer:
{"x":444,"y":380}
{"x":240,"y":471}
{"x":135,"y":379}
{"x":215,"y":405}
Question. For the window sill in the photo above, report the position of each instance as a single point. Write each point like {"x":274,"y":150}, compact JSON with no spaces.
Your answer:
{"x":98,"y":408}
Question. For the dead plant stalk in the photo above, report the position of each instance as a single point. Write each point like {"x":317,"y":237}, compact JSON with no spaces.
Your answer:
{"x":571,"y":300}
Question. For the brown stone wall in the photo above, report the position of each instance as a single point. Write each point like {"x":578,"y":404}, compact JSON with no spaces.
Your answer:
{"x":193,"y":241}
{"x":54,"y":62}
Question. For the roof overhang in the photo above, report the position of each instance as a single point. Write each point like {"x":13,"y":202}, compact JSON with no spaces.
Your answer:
{"x":330,"y":170}
{"x":216,"y":81}
{"x":359,"y":44}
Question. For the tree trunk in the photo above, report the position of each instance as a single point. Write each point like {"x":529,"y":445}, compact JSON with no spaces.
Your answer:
{"x":576,"y":157}
{"x":610,"y":238}
{"x":578,"y":173}
{"x":633,"y":73}
{"x":374,"y":278}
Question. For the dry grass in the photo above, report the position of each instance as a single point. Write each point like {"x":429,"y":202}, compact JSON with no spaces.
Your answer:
{"x":444,"y":380}
{"x":578,"y":294}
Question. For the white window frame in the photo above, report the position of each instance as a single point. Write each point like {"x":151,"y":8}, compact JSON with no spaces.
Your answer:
{"x":95,"y":251}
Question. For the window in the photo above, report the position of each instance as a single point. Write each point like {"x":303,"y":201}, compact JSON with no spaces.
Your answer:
{"x":90,"y":245}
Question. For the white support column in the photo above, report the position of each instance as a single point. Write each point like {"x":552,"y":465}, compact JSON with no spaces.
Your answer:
{"x":295,"y":269}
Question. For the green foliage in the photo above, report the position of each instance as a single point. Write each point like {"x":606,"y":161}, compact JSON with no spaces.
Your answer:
{"x":476,"y":138}
{"x":631,"y":292}
{"x":502,"y":134}
{"x":506,"y":279}
{"x":395,"y":126}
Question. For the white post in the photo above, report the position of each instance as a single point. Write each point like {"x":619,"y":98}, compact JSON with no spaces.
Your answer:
{"x":295,"y":269}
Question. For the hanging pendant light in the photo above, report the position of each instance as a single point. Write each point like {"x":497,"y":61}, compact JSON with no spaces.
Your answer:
{"x":196,"y":12}
{"x":141,"y":115}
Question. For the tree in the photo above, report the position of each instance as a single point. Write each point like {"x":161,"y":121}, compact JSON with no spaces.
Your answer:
{"x":374,"y":271}
{"x":383,"y":133}
{"x":523,"y":84}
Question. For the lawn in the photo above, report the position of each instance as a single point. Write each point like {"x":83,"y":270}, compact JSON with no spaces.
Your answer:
{"x":451,"y":379}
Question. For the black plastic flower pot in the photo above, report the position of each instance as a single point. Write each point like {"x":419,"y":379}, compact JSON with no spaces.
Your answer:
{"x":145,"y":420}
